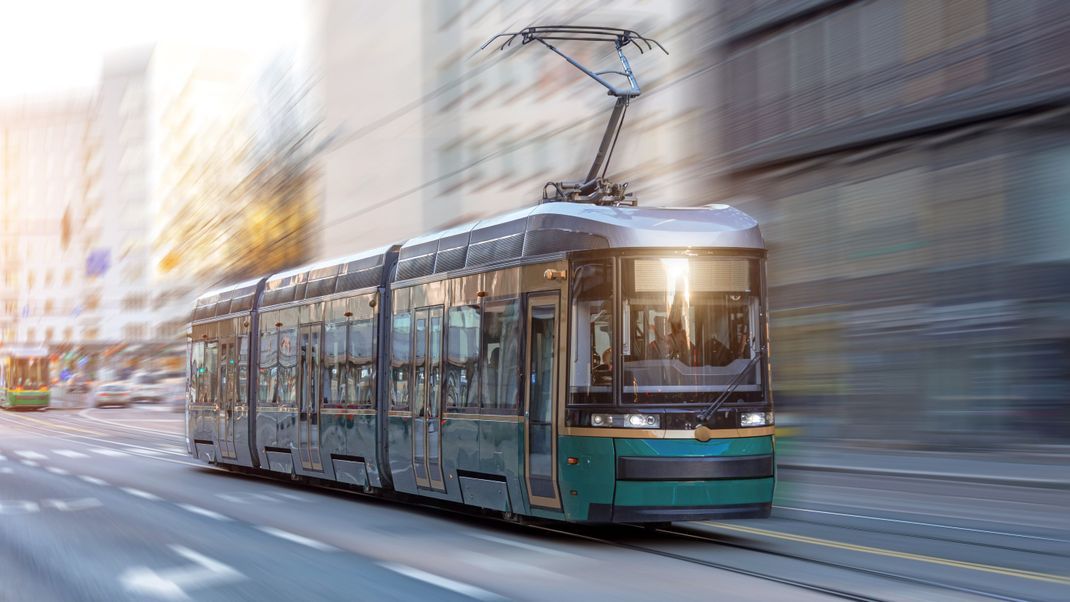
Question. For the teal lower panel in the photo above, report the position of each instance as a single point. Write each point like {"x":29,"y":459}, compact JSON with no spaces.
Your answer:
{"x":694,"y":493}
{"x":590,"y":480}
{"x":743,"y":446}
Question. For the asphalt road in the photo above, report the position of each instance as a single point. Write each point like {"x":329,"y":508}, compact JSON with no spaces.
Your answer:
{"x":103,"y":504}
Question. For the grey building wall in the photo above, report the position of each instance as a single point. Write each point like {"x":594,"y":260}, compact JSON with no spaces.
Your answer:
{"x":909,"y":161}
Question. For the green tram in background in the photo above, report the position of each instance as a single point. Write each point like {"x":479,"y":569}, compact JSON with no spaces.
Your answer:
{"x":24,"y":378}
{"x":568,"y":361}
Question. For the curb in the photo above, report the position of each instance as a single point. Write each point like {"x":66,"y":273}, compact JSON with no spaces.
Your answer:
{"x":938,"y":476}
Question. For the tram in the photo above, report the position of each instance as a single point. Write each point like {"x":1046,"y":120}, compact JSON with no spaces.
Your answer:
{"x":24,"y":378}
{"x":584,"y":360}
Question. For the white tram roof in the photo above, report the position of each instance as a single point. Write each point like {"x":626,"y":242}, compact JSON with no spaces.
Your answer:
{"x":714,"y":225}
{"x":322,"y":269}
{"x":222,"y":293}
{"x":531,"y":231}
{"x":554,"y":227}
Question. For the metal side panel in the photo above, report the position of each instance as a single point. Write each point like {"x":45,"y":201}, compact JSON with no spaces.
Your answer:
{"x":485,"y":493}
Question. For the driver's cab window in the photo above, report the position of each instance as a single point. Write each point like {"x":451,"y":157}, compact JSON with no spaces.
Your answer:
{"x":592,"y":353}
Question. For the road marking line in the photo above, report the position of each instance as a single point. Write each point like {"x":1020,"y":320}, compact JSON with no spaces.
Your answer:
{"x":51,"y":424}
{"x":56,"y":470}
{"x":22,"y":506}
{"x":894,"y":554}
{"x":29,"y":463}
{"x":141,"y":494}
{"x":173,"y":583}
{"x":7,"y":470}
{"x":525,"y":546}
{"x":454,"y":586}
{"x":922,"y":524}
{"x":31,"y":455}
{"x":70,"y":453}
{"x":305,"y":541}
{"x":92,"y":480}
{"x":107,"y":452}
{"x":2,"y":458}
{"x":150,"y":452}
{"x":74,"y":505}
{"x":86,"y":414}
{"x":202,"y":511}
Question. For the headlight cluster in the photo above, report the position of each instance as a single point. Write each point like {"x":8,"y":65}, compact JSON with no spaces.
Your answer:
{"x":635,"y":421}
{"x":755,"y":419}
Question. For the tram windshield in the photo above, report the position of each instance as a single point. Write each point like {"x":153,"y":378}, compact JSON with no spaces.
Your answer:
{"x":689,"y":328}
{"x":28,"y":373}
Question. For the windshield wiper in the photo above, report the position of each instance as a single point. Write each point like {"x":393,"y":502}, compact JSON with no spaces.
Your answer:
{"x":706,"y":414}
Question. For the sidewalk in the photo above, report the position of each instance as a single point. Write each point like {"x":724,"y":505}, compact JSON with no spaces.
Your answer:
{"x":1050,"y":472}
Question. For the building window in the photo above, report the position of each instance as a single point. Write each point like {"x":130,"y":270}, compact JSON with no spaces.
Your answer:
{"x":135,"y":332}
{"x":67,"y":333}
{"x":135,"y":302}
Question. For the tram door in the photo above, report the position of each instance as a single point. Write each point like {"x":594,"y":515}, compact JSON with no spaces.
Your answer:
{"x":308,"y":411}
{"x":227,"y":399}
{"x":427,"y":399}
{"x":540,"y":455}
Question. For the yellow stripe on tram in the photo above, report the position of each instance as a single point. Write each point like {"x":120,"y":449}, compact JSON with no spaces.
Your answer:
{"x":973,"y":566}
{"x":57,"y":425}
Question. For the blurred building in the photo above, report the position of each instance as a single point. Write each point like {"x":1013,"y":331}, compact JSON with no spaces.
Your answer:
{"x":47,"y":184}
{"x":119,"y":208}
{"x":909,"y":161}
{"x":119,"y":287}
{"x":426,"y":131}
{"x":231,"y":196}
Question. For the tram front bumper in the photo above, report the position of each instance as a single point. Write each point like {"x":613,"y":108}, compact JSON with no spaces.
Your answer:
{"x":664,"y":480}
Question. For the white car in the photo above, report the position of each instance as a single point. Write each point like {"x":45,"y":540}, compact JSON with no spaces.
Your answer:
{"x":111,"y":394}
{"x":145,"y":387}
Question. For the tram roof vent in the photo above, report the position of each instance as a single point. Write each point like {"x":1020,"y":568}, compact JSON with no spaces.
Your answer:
{"x":594,"y":188}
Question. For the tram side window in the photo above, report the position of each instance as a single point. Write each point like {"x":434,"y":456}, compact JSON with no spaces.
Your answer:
{"x":591,"y":369}
{"x":288,"y":348}
{"x":196,"y":363}
{"x":462,"y":357}
{"x":269,"y":370}
{"x":361,"y":363}
{"x":334,"y":364}
{"x":400,"y":361}
{"x":500,"y":357}
{"x":243,"y":369}
{"x":211,"y":367}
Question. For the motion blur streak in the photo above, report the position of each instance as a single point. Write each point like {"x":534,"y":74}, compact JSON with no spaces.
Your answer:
{"x":907,"y":161}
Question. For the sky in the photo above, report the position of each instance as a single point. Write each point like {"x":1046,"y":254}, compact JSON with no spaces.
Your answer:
{"x":50,"y":47}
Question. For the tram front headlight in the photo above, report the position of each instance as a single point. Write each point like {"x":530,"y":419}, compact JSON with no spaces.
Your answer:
{"x":754,"y":419}
{"x":635,"y":421}
{"x":650,"y":421}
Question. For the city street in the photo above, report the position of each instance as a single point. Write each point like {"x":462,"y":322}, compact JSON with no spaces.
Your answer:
{"x":104,"y":504}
